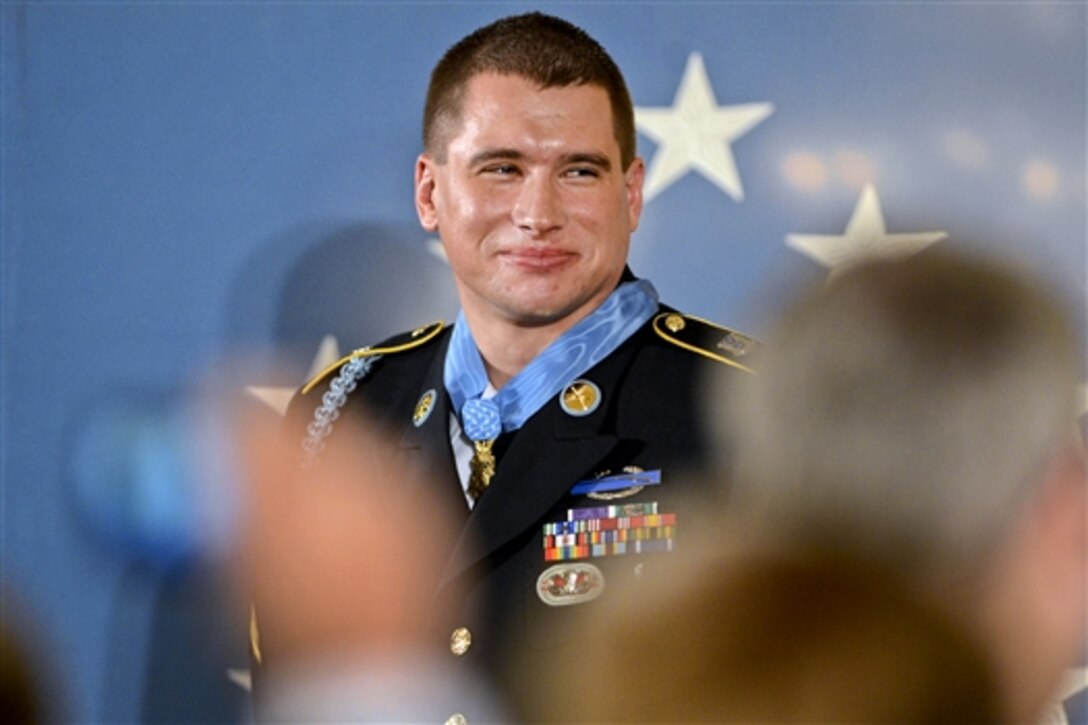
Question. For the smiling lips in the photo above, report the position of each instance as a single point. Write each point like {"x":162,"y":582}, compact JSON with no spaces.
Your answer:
{"x":538,"y":258}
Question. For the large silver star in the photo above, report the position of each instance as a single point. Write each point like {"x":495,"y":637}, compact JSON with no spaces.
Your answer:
{"x":695,"y":132}
{"x":865,"y":237}
{"x":278,"y":397}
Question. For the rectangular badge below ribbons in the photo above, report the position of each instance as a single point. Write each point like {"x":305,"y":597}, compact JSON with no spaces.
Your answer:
{"x":609,"y":531}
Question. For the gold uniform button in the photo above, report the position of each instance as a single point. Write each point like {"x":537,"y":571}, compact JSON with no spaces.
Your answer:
{"x":675,"y":323}
{"x":457,"y":719}
{"x":460,"y":641}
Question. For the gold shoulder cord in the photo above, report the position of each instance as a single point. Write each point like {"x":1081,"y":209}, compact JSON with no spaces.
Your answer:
{"x":419,"y":336}
{"x":667,"y":324}
{"x":350,"y":371}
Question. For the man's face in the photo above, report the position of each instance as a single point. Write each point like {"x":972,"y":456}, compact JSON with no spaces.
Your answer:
{"x":533,"y":208}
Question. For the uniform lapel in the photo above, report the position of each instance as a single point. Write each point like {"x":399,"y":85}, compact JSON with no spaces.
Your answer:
{"x":551,"y":453}
{"x":533,"y":475}
{"x":542,"y":464}
{"x":428,"y":443}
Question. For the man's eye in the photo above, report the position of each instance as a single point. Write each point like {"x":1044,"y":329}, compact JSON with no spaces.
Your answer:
{"x":501,"y":169}
{"x":580,"y":172}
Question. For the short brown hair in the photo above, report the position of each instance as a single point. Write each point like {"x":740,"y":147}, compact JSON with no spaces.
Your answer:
{"x":541,"y":48}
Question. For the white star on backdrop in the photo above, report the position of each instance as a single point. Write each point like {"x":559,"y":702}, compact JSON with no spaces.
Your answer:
{"x":695,"y":132}
{"x":865,"y":237}
{"x":277,"y":398}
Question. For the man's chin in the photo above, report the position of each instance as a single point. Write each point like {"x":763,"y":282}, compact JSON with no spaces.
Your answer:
{"x":544,"y":315}
{"x":545,"y":308}
{"x":536,"y":319}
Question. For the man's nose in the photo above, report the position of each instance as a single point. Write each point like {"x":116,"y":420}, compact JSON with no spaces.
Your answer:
{"x":539,"y":206}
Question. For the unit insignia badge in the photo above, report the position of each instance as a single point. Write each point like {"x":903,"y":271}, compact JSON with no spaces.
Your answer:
{"x":565,"y":584}
{"x":736,"y":344}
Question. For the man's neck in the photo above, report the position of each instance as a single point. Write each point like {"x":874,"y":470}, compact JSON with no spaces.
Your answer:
{"x":506,"y":348}
{"x":507,"y":345}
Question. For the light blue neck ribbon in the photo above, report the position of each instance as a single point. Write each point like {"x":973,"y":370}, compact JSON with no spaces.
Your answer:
{"x":578,"y":349}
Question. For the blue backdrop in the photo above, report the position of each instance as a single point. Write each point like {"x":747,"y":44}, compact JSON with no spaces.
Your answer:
{"x":185,"y":180}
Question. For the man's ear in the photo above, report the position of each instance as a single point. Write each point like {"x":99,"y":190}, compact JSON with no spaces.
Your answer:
{"x":1064,"y":562}
{"x":1032,"y":612}
{"x":633,"y":179}
{"x":1069,"y":507}
{"x":1059,"y":531}
{"x":424,"y":196}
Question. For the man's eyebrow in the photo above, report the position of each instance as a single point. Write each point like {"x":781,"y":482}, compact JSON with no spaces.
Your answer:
{"x":599,"y":160}
{"x":485,"y":155}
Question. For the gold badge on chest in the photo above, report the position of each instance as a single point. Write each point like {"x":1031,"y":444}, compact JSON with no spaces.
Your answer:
{"x":424,"y":407}
{"x":580,"y":398}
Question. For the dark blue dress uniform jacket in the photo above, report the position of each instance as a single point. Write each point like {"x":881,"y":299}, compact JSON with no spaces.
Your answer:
{"x":650,"y":417}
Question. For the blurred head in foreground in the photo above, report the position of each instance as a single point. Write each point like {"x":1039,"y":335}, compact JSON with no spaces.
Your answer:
{"x":342,"y":584}
{"x":920,"y":414}
{"x":906,"y":533}
{"x":742,"y":635}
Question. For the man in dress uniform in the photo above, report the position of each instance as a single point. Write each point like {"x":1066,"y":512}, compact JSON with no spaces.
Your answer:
{"x":557,"y":412}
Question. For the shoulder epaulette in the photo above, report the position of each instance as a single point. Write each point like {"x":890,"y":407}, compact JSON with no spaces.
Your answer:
{"x":707,"y":339}
{"x":397,"y":343}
